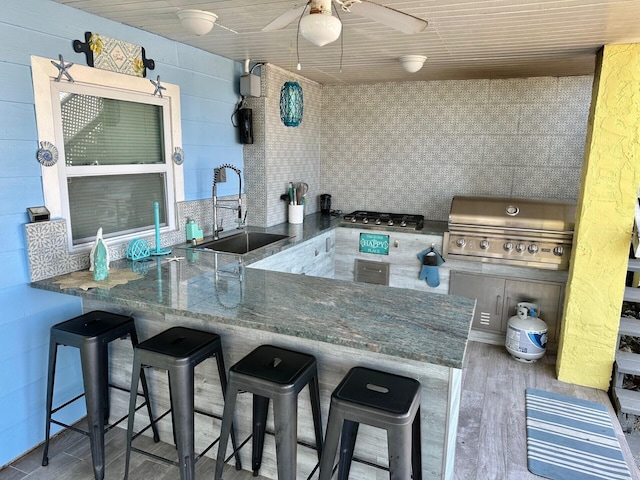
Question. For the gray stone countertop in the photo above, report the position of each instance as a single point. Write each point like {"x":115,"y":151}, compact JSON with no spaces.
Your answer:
{"x":219,"y":288}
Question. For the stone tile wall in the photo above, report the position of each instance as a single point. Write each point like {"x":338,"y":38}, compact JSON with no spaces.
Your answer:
{"x":413,"y":146}
{"x":48,"y":247}
{"x":282,"y":154}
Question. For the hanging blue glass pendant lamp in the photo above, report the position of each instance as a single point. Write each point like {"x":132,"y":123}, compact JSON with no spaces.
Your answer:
{"x":291,"y":104}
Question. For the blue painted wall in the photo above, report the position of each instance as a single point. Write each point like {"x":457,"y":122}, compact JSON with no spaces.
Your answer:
{"x":209,"y":85}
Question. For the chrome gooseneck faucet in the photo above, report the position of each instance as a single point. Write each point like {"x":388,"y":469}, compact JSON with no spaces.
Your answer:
{"x":220,"y":176}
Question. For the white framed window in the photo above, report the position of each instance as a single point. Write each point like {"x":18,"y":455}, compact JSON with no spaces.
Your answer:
{"x":115,"y":141}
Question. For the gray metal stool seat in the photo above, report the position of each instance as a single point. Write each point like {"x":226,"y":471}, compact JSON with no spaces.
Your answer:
{"x":91,"y":333}
{"x":278,"y":374}
{"x":178,"y":350}
{"x":382,"y":400}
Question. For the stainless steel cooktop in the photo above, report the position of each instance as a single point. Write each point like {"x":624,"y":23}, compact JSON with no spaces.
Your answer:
{"x":365,"y":218}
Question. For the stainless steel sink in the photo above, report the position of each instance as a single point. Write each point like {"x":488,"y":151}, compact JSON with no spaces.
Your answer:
{"x":242,"y":243}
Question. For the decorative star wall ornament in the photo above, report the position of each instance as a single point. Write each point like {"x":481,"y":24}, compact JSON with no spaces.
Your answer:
{"x":62,"y":69}
{"x":159,"y":87}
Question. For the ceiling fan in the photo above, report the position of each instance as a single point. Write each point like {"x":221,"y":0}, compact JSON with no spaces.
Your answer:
{"x":320,"y":27}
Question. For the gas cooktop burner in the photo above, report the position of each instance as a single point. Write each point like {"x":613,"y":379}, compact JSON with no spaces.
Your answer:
{"x":403,"y":220}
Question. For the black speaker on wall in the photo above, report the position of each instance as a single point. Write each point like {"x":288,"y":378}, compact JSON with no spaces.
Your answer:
{"x":245,"y":124}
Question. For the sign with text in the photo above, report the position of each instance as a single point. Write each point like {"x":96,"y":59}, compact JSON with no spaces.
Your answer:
{"x":374,"y":243}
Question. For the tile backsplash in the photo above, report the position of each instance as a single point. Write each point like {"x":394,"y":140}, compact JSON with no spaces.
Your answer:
{"x":413,"y":146}
{"x":48,"y":248}
{"x":281,"y":154}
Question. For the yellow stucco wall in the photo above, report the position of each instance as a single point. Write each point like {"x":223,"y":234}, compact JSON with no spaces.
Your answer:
{"x":608,"y":192}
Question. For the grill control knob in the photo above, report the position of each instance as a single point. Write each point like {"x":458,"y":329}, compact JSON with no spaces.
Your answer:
{"x":404,"y":222}
{"x":558,"y":251}
{"x":354,"y":219}
{"x":521,"y":247}
{"x":508,"y":246}
{"x":390,"y":223}
{"x":365,"y":220}
{"x":377,"y":221}
{"x":461,"y":242}
{"x":484,"y":244}
{"x":533,"y":248}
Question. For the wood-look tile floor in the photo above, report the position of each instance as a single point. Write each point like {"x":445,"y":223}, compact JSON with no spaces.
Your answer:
{"x":492,"y":428}
{"x":70,"y":459}
{"x":491,"y":432}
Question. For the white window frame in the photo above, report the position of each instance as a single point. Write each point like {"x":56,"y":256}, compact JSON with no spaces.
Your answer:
{"x":113,"y":85}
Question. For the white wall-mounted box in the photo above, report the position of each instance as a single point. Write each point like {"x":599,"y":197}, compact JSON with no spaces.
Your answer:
{"x":250,"y":85}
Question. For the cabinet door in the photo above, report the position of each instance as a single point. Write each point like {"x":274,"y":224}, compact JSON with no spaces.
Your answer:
{"x":489,"y":293}
{"x":546,"y":295}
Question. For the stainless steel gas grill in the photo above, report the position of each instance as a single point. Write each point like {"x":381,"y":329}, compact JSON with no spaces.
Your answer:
{"x":513,"y":231}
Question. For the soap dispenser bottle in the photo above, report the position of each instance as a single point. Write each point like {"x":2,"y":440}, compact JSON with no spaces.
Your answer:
{"x":192,"y":231}
{"x":189,"y":229}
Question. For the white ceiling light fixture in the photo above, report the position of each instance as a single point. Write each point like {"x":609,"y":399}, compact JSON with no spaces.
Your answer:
{"x":197,"y":22}
{"x":320,"y":27}
{"x":412,"y":63}
{"x":321,"y":9}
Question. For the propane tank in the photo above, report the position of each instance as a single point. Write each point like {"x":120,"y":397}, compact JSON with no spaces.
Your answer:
{"x":526,"y":333}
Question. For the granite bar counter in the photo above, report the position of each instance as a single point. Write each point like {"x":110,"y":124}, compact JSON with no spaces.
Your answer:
{"x":343,"y":323}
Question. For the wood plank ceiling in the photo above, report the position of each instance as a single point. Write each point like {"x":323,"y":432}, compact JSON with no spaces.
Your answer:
{"x":465,"y":38}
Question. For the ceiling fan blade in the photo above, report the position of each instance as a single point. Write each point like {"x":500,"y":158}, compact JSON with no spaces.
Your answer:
{"x":285,"y":19}
{"x":388,"y":16}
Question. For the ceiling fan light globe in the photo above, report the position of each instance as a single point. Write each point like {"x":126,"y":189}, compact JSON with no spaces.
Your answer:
{"x":320,"y":28}
{"x":412,"y":63}
{"x":197,"y":22}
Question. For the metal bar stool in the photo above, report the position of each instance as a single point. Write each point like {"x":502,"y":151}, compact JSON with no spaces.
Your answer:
{"x":91,"y":334}
{"x":278,"y":374}
{"x":178,"y":350}
{"x":382,"y":400}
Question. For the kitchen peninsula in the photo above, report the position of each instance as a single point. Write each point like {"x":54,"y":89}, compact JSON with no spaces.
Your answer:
{"x":342,"y":323}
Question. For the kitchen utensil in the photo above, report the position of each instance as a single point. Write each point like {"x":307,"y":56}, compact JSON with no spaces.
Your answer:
{"x":292,"y":197}
{"x":301,"y":190}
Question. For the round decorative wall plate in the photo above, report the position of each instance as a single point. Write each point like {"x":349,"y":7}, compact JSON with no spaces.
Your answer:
{"x":47,"y":154}
{"x":178,"y":156}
